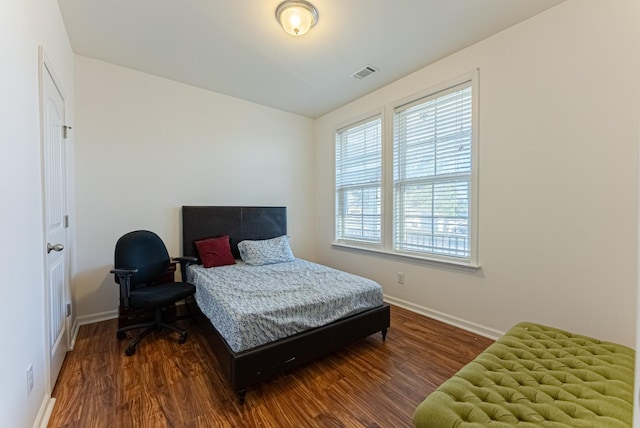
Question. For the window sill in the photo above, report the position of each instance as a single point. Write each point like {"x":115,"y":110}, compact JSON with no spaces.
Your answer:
{"x":412,"y":257}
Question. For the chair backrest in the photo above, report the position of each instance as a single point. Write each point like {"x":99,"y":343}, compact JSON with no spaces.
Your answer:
{"x":142,"y":250}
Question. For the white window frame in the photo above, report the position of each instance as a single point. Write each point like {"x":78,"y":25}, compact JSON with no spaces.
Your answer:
{"x":387,"y":195}
{"x":419,"y":99}
{"x":338,"y":236}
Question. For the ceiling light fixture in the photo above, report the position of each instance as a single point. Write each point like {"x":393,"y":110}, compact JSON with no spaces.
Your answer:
{"x":296,"y":16}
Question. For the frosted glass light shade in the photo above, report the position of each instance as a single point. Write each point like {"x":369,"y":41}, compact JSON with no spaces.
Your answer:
{"x":296,"y":17}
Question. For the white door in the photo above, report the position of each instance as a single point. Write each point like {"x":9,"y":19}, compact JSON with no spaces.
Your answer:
{"x":55,"y":217}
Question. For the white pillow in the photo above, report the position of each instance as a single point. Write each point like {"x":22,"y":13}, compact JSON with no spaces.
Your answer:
{"x":266,"y":251}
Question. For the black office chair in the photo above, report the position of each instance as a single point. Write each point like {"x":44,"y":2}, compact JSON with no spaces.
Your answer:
{"x":140,"y":259}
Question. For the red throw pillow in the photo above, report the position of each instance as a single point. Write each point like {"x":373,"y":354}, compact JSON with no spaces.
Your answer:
{"x":215,"y":251}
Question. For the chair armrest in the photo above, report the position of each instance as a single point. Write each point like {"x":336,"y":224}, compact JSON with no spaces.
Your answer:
{"x":184,"y":262}
{"x":123,"y":271}
{"x":186,"y":259}
{"x":124,"y":279}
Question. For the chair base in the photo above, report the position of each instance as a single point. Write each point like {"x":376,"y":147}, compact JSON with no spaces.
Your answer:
{"x":149,"y":327}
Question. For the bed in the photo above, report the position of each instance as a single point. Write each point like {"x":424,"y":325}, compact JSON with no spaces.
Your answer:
{"x":246,"y":362}
{"x":536,"y":375}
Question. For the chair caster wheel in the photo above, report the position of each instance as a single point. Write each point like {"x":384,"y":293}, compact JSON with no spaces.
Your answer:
{"x":130,"y":351}
{"x":183,"y":338}
{"x":121,"y":335}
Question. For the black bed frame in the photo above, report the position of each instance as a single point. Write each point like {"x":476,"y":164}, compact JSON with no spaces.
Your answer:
{"x":249,"y":367}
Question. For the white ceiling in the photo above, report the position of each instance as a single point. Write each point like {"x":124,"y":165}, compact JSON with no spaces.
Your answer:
{"x":236,"y":47}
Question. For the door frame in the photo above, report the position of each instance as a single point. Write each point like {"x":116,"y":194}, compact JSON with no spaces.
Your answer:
{"x":44,"y":67}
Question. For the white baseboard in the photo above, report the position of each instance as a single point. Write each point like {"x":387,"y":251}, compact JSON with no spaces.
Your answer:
{"x":42,"y":419}
{"x":431,"y":313}
{"x":74,"y":333}
{"x":446,"y":318}
{"x":94,"y":318}
{"x":90,"y":319}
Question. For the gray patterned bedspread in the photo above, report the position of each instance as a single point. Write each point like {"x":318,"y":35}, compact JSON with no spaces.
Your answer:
{"x":254,"y":305}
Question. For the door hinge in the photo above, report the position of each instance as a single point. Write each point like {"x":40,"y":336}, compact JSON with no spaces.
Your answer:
{"x":66,"y":221}
{"x":65,"y":131}
{"x":68,"y":309}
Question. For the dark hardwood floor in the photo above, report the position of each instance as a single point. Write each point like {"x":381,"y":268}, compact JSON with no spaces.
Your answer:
{"x":164,"y":384}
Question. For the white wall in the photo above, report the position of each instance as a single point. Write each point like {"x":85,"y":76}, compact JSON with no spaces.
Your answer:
{"x":24,"y":25}
{"x":558,"y":177}
{"x":147,"y":146}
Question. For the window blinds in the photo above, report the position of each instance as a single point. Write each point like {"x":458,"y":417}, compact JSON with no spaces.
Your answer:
{"x":358,"y":182}
{"x":432,"y":174}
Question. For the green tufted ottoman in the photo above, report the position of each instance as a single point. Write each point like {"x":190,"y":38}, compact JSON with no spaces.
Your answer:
{"x":537,"y":376}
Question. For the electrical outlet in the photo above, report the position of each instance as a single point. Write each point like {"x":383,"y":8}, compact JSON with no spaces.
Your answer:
{"x":29,"y":379}
{"x":400,"y":277}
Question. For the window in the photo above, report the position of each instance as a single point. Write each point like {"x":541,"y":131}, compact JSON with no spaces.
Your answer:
{"x":359,"y":182}
{"x":411,"y":191}
{"x":432,"y":152}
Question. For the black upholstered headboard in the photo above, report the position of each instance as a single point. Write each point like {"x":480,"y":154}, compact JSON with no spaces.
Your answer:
{"x":240,"y":223}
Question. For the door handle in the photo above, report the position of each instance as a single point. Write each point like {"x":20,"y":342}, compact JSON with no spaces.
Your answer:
{"x":57,"y":247}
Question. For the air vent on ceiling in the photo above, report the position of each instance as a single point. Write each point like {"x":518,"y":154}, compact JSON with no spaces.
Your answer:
{"x":364,"y":72}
